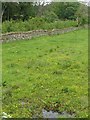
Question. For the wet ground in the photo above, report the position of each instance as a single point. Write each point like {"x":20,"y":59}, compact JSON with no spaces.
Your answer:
{"x":52,"y":114}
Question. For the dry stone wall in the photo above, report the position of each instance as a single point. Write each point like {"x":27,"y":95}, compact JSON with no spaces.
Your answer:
{"x":35,"y":33}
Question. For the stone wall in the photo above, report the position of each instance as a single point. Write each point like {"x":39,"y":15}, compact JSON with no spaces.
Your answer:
{"x":12,"y":36}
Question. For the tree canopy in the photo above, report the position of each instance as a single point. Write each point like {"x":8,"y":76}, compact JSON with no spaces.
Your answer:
{"x":52,"y":11}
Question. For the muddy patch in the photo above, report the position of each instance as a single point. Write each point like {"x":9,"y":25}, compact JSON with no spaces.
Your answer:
{"x":52,"y":114}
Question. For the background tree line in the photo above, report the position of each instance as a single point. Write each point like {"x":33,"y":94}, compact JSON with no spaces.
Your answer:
{"x":57,"y":10}
{"x":33,"y":15}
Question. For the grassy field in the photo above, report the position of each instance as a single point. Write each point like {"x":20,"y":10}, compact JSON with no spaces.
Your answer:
{"x":48,"y":72}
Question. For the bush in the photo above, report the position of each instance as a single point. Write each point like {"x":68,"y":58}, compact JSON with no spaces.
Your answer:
{"x":13,"y":26}
{"x":84,"y":21}
{"x":50,"y":17}
{"x":35,"y":23}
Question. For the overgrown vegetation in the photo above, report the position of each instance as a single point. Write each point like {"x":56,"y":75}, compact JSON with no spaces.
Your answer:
{"x":35,"y":24}
{"x":31,"y":16}
{"x":47,"y":72}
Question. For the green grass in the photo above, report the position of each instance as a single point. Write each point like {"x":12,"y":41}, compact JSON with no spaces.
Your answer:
{"x":48,"y":72}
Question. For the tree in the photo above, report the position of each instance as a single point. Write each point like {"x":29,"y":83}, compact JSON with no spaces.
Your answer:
{"x":82,"y":15}
{"x":40,"y":7}
{"x":5,"y":5}
{"x":65,"y":10}
{"x":17,"y":11}
{"x":9,"y":10}
{"x":26,"y":9}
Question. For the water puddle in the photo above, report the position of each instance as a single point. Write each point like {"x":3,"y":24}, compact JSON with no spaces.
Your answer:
{"x":52,"y":114}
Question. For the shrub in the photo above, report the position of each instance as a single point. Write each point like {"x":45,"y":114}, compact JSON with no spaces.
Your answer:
{"x":35,"y":24}
{"x":50,"y":17}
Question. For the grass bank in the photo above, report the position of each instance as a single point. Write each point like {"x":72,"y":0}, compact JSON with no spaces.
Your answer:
{"x":48,"y":72}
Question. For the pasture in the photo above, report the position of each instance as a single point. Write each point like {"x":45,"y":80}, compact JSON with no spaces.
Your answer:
{"x":49,"y":72}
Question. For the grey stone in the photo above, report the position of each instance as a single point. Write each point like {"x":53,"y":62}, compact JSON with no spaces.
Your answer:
{"x":35,"y":33}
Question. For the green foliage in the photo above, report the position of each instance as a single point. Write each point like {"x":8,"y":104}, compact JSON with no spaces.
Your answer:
{"x":9,"y":10}
{"x":66,"y":10}
{"x":15,"y":11}
{"x":61,"y":10}
{"x":50,"y":16}
{"x":42,"y":16}
{"x":82,"y":15}
{"x":34,"y":24}
{"x":48,"y":72}
{"x":13,"y":26}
